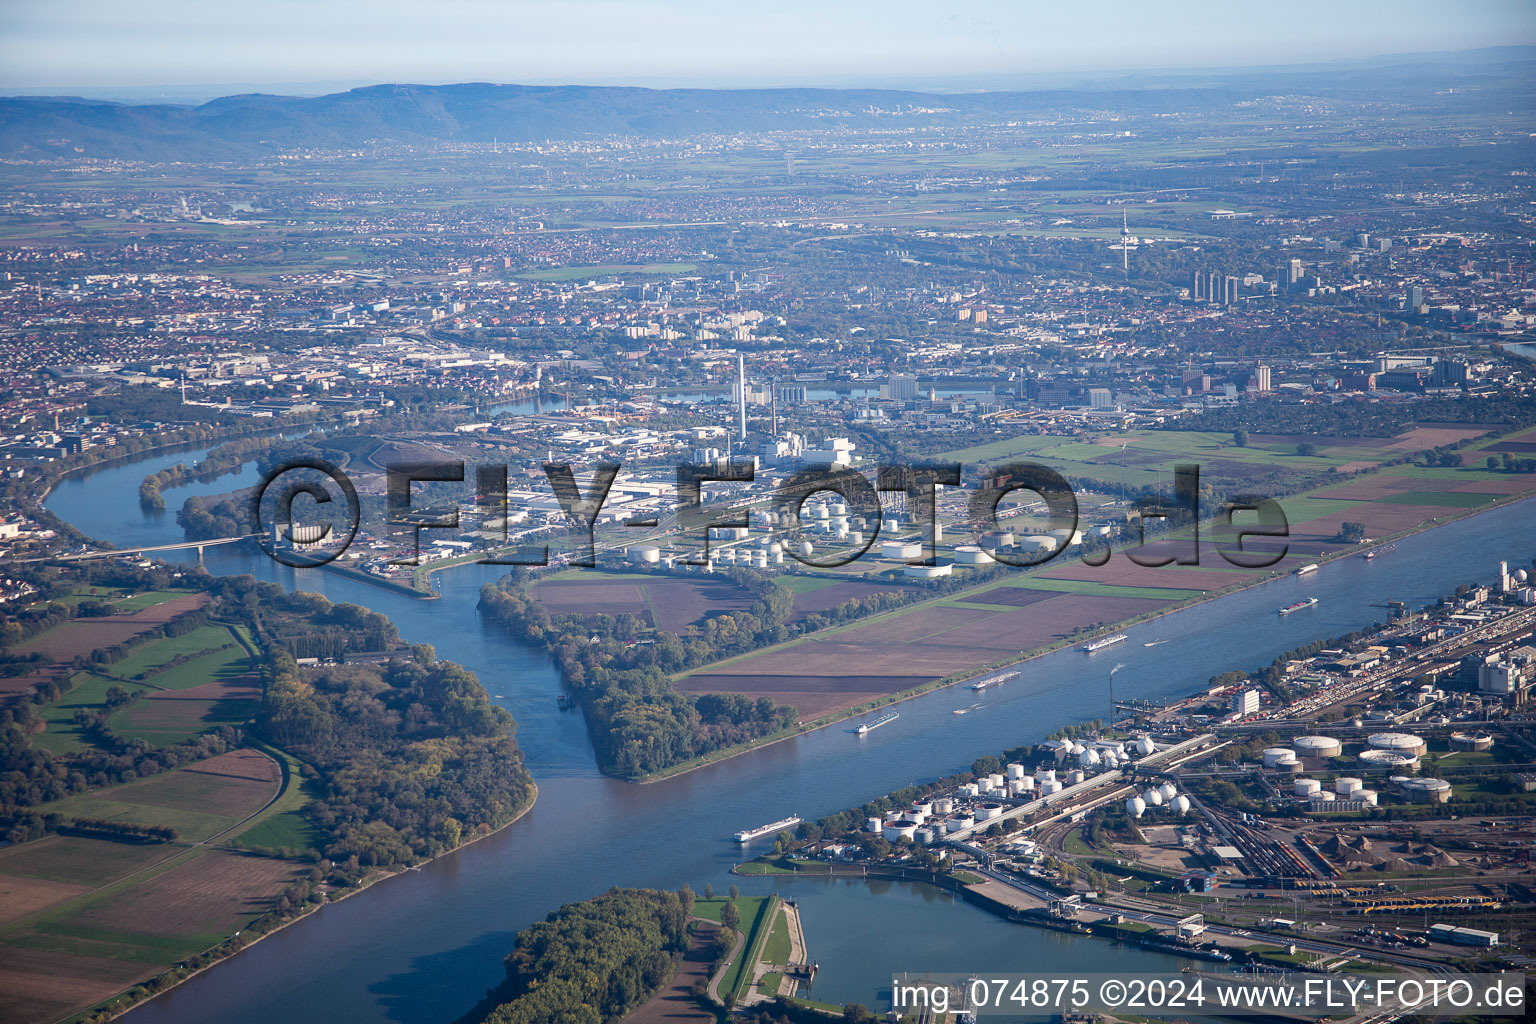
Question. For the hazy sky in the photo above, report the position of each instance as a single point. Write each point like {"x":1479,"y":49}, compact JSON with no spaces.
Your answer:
{"x":97,"y":43}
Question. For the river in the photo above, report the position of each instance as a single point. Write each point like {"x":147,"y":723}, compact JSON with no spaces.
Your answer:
{"x":424,"y":946}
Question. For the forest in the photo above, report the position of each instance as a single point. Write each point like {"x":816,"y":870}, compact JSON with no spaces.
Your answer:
{"x":638,"y":722}
{"x":412,"y":758}
{"x":594,"y":961}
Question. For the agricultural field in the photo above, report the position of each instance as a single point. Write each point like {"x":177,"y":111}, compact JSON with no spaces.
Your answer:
{"x":83,"y":917}
{"x":852,"y":666}
{"x":192,"y":683}
{"x":662,"y":602}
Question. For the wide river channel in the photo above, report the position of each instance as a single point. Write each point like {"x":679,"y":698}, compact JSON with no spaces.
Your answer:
{"x":424,"y":946}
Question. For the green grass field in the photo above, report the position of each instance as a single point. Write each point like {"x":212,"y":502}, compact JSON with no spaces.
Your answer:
{"x":192,"y":826}
{"x":776,"y":946}
{"x":144,"y":661}
{"x":60,"y":734}
{"x":282,"y":826}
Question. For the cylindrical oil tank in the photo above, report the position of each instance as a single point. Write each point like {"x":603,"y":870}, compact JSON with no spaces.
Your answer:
{"x":1317,"y":746}
{"x":1274,"y":755}
{"x":1345,"y":785}
{"x":1304,"y":788}
{"x":970,"y":554}
{"x":1401,"y":741}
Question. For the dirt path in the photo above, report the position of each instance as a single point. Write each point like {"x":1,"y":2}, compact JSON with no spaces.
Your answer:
{"x":675,"y":1001}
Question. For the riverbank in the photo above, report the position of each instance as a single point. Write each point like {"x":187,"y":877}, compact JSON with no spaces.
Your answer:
{"x":219,"y":957}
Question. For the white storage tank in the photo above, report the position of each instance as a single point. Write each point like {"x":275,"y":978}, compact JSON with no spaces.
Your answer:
{"x":1145,"y":746}
{"x":901,"y":550}
{"x":904,"y":828}
{"x":997,"y":780}
{"x":922,"y":807}
{"x":1016,"y":786}
{"x":1400,"y":741}
{"x":1015,"y":771}
{"x":1345,"y":785}
{"x":1427,"y":791}
{"x":1036,"y":544}
{"x":1153,"y":797}
{"x":928,"y":572}
{"x":1322,"y":796}
{"x":1135,"y":807}
{"x":1043,"y":775}
{"x":1088,"y":757}
{"x":873,"y":825}
{"x":645,"y":555}
{"x":1180,"y":804}
{"x":924,"y":836}
{"x":1317,"y":746}
{"x":962,"y":822}
{"x":1288,"y":764}
{"x":1169,"y":790}
{"x":970,"y":554}
{"x":1027,"y":784}
{"x":1274,"y":755}
{"x":970,"y":789}
{"x":1304,"y":788}
{"x":986,"y":812}
{"x":943,"y":805}
{"x":1074,"y":777}
{"x":1047,"y":788}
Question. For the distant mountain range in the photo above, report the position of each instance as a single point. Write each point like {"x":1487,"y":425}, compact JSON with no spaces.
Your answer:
{"x":43,"y":127}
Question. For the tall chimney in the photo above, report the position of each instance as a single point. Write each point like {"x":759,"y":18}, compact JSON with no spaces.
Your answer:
{"x":741,"y":392}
